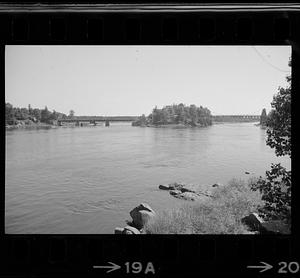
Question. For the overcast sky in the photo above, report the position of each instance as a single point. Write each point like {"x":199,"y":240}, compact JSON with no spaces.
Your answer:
{"x":131,"y":80}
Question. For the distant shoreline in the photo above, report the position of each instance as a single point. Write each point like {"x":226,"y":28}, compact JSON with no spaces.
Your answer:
{"x":31,"y":126}
{"x":48,"y":126}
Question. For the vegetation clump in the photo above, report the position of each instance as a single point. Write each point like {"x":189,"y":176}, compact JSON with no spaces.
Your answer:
{"x":221,"y":214}
{"x":276,"y":186}
{"x":30,"y":115}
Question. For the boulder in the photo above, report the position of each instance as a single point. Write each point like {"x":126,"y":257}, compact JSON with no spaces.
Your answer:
{"x":247,"y":173}
{"x":144,"y":206}
{"x":164,"y":187}
{"x":275,"y":227}
{"x":129,"y":230}
{"x":188,"y":188}
{"x":141,"y":215}
{"x":217,"y":184}
{"x":253,"y":221}
{"x":175,"y":192}
{"x":119,"y":230}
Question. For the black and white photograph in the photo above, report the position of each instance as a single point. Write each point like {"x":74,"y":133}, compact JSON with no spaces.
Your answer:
{"x":147,"y":139}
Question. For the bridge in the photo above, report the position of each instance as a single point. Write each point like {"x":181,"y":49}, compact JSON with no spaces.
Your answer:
{"x":81,"y":120}
{"x":236,"y":118}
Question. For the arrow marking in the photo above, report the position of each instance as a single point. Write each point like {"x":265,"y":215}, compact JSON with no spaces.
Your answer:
{"x":112,"y":267}
{"x":264,"y":267}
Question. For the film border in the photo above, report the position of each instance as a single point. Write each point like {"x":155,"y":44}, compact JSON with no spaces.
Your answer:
{"x":268,"y":24}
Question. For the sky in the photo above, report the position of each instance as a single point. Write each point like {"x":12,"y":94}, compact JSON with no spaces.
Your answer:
{"x":132,"y":80}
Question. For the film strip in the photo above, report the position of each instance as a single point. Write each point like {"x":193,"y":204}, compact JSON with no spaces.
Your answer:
{"x":151,"y":255}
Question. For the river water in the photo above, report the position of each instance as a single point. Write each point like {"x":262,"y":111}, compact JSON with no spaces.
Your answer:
{"x":86,"y":179}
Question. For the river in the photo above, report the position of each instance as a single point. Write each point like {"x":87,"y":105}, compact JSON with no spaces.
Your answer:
{"x":85,"y":180}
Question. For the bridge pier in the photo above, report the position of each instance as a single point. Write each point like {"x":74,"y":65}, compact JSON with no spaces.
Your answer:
{"x":106,"y":122}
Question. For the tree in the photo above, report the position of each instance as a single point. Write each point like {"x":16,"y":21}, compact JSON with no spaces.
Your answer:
{"x":24,"y":113}
{"x":180,"y":114}
{"x":9,"y":114}
{"x":174,"y":114}
{"x":71,"y":113}
{"x":193,"y":114}
{"x":45,"y":115}
{"x":37,"y":114}
{"x":263,"y":117}
{"x":279,"y":123}
{"x":29,"y":110}
{"x":155,"y":116}
{"x":276,"y":187}
{"x":276,"y":192}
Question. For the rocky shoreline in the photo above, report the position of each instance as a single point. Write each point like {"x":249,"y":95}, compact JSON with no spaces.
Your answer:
{"x":188,"y":192}
{"x":143,"y":213}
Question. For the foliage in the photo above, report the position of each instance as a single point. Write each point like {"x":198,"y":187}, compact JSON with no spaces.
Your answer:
{"x":263,"y":117}
{"x":279,"y":122}
{"x":14,"y":114}
{"x":141,"y":121}
{"x":219,"y":215}
{"x":276,"y":193}
{"x":178,"y":114}
{"x":71,"y":113}
{"x":276,"y":187}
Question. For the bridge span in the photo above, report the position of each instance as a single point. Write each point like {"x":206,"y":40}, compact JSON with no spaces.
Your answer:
{"x":80,"y":120}
{"x":236,"y":118}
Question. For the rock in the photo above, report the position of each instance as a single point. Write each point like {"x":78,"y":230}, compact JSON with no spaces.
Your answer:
{"x":275,"y":227}
{"x":129,"y":230}
{"x":188,"y":188}
{"x":175,"y":186}
{"x":141,"y":215}
{"x":119,"y":230}
{"x":188,"y":196}
{"x":175,"y":192}
{"x":145,"y":206}
{"x":253,"y":221}
{"x":164,"y":187}
{"x":217,"y":184}
{"x":247,"y":173}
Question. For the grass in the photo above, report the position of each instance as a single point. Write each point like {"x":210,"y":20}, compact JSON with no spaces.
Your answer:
{"x":219,"y":215}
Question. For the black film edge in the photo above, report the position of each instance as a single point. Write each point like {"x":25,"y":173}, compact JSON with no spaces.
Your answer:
{"x":151,"y":255}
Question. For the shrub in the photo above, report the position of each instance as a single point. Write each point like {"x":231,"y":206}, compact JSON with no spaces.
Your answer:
{"x":276,"y":192}
{"x":219,"y":215}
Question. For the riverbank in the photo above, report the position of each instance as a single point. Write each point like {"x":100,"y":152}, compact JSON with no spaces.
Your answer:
{"x":30,"y":126}
{"x":227,"y":209}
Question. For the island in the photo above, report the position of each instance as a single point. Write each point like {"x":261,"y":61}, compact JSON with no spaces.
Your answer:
{"x":176,"y":115}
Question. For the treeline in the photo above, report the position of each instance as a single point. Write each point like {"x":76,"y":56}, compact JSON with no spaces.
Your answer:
{"x":36,"y":115}
{"x":177,"y":114}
